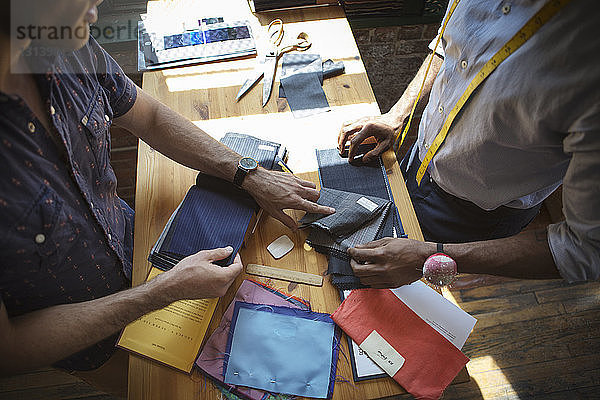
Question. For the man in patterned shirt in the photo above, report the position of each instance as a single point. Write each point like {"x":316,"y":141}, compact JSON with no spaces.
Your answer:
{"x":66,"y":238}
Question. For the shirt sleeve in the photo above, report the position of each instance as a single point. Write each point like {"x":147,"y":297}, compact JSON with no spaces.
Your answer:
{"x":121,"y":90}
{"x":575,"y":242}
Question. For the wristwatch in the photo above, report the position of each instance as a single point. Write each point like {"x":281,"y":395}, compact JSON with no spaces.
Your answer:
{"x":245,"y":166}
{"x":440,"y":269}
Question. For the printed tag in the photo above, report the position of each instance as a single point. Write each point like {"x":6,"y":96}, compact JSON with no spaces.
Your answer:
{"x":366,"y":203}
{"x":265,"y":147}
{"x":382,"y":353}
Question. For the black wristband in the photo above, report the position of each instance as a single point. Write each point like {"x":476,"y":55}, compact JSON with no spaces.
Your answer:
{"x":440,"y":248}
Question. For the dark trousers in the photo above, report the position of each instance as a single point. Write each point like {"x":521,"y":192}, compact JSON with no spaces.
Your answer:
{"x":448,"y":219}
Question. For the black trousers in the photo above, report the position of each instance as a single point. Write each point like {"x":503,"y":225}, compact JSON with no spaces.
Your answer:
{"x":448,"y":219}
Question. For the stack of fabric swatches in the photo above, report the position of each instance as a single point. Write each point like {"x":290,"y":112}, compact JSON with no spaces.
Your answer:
{"x":365,"y":211}
{"x":214,"y":213}
{"x":268,"y":342}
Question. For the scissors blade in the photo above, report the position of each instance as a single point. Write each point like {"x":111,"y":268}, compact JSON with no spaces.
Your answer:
{"x":249,"y":83}
{"x":269,"y":72}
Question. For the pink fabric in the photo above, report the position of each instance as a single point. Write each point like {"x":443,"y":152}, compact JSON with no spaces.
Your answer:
{"x":431,"y":361}
{"x":210,"y":359}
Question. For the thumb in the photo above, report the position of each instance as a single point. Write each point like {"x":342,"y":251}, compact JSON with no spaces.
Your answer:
{"x":215,"y":254}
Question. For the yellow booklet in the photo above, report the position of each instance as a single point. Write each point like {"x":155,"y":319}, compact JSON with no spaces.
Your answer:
{"x":172,"y":335}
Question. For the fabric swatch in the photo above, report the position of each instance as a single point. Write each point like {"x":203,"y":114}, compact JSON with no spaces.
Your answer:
{"x":430,"y":361}
{"x":210,"y":359}
{"x":352,"y":211}
{"x":302,"y":77}
{"x":214,"y":213}
{"x":282,"y":350}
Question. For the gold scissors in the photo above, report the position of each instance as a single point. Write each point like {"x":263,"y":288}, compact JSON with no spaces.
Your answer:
{"x":268,"y":64}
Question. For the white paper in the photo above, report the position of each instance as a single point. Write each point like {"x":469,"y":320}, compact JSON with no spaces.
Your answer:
{"x":382,"y":353}
{"x":443,"y":316}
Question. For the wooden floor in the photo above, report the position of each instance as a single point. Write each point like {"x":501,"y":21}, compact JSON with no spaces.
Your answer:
{"x":532,"y":340}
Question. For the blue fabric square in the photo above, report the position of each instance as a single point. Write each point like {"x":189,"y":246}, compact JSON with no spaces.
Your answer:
{"x":282,"y":350}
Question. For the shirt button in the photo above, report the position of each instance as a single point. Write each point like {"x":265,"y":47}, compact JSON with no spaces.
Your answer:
{"x":464,"y":64}
{"x":31,"y":127}
{"x":441,"y":109}
{"x":506,"y":9}
{"x":106,"y":117}
{"x":109,"y":236}
{"x":52,"y":110}
{"x":40,"y":238}
{"x":91,"y":204}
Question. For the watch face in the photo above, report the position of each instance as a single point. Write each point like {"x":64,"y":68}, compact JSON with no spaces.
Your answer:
{"x":248,"y":163}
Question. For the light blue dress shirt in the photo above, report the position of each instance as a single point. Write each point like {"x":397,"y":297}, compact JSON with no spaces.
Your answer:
{"x":533,"y":124}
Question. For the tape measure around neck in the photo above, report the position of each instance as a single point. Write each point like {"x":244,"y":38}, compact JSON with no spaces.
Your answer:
{"x":527,"y":31}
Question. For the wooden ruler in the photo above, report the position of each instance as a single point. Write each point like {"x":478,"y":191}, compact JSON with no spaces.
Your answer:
{"x":284,"y":274}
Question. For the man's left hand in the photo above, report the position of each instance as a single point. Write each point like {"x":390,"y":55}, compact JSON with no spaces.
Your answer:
{"x":389,"y":262}
{"x":276,"y":191}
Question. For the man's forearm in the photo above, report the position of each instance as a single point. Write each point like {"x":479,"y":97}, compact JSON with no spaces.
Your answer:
{"x":404,"y":105}
{"x":178,"y":138}
{"x":42,"y":337}
{"x":526,"y":255}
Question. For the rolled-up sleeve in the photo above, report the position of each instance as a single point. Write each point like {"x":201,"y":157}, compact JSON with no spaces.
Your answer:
{"x":575,"y":242}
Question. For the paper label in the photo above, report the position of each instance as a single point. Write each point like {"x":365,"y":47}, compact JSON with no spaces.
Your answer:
{"x":265,"y":147}
{"x":382,"y":353}
{"x":366,"y":203}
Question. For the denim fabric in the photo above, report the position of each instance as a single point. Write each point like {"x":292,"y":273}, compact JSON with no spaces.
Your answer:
{"x":448,"y":219}
{"x":65,"y":235}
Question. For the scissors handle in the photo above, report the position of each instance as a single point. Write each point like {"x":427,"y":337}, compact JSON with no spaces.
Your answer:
{"x":275,"y":31}
{"x":302,"y":44}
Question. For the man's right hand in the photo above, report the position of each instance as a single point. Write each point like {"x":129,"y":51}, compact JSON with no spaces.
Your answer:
{"x":382,"y":128}
{"x":197,"y":277}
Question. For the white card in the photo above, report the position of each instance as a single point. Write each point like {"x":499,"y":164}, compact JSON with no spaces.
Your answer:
{"x":382,"y":353}
{"x":280,"y":247}
{"x":366,"y":203}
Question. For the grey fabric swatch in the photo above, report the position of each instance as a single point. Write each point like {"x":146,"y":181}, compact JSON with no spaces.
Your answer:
{"x":302,"y":85}
{"x":352,"y":211}
{"x":330,"y":69}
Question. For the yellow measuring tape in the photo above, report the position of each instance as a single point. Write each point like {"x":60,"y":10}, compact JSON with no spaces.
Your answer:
{"x":526,"y":32}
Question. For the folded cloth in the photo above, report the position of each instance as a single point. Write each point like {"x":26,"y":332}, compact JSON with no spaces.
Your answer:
{"x":301,"y":79}
{"x":417,"y":356}
{"x":352,"y":211}
{"x":210,"y":359}
{"x":282,"y":350}
{"x":214,"y":213}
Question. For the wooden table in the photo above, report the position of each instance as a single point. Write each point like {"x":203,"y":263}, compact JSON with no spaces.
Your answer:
{"x":206,"y":95}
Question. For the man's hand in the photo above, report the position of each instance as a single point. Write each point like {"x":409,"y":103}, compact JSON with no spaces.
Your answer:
{"x":382,"y":128}
{"x":275,"y":191}
{"x":196,"y":276}
{"x":388,"y":262}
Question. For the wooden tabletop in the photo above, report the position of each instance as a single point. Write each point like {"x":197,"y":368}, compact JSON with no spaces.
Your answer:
{"x":206,"y":95}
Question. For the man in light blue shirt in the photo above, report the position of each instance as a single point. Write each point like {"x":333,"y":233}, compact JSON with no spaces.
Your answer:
{"x":531,"y":126}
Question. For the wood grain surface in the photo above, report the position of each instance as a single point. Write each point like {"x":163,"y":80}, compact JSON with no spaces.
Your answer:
{"x":206,"y":95}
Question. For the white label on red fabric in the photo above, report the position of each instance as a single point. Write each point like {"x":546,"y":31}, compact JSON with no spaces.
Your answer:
{"x":265,"y":147}
{"x":366,"y":203}
{"x":382,"y":353}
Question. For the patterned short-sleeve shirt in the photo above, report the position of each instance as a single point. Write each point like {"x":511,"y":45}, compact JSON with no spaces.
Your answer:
{"x":65,"y":235}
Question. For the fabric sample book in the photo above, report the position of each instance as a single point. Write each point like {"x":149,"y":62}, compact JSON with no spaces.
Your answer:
{"x":370,"y":186}
{"x":210,"y":359}
{"x":282,"y":350}
{"x":417,"y":356}
{"x":214,"y":213}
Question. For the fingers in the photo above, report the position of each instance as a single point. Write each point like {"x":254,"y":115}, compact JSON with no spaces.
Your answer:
{"x":375,"y":243}
{"x":307,"y":184}
{"x":355,"y":142}
{"x":285,"y":219}
{"x":348,"y":130}
{"x":215,"y":254}
{"x":368,"y":255}
{"x":311,"y":207}
{"x":380,"y":148}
